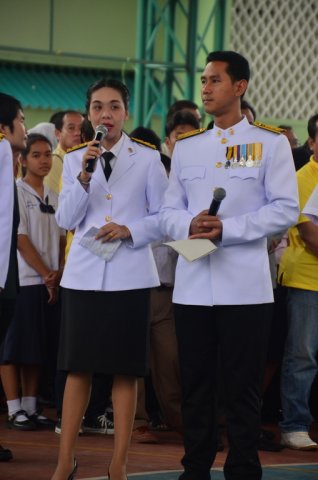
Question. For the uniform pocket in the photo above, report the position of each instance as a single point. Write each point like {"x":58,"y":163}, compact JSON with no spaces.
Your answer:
{"x":244,"y":172}
{"x":193,"y":172}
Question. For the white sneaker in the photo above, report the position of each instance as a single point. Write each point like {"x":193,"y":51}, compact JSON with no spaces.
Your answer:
{"x":298,"y":441}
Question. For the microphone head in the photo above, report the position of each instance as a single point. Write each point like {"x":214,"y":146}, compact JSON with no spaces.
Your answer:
{"x":101,"y":130}
{"x":219,"y":194}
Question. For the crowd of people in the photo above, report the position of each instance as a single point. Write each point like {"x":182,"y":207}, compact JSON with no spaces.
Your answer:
{"x":84,"y":263}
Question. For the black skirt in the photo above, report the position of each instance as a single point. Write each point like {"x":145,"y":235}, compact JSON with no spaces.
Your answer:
{"x":105,"y":332}
{"x":33,"y":331}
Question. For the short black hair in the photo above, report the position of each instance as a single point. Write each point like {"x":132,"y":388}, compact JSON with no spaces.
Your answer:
{"x":110,"y":83}
{"x":87,"y":131}
{"x":9,"y":108}
{"x":59,"y":118}
{"x":56,"y":118}
{"x":183,"y":117}
{"x":247,"y":106}
{"x":312,"y":126}
{"x":147,"y":135}
{"x":237,"y":66}
{"x":181,"y":105}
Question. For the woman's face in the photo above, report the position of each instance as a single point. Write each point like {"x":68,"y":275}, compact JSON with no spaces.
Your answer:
{"x":107,"y":108}
{"x":38,"y":161}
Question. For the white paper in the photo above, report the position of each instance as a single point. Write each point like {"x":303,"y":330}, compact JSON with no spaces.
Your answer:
{"x":193,"y":249}
{"x":104,"y":250}
{"x":311,"y":207}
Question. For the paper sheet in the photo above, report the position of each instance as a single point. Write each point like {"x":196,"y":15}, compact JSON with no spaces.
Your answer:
{"x":104,"y":250}
{"x":193,"y":249}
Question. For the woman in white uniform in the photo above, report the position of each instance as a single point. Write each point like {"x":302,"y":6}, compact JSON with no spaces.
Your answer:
{"x":105,"y":319}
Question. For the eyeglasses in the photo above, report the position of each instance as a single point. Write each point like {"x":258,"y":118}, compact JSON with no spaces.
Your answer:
{"x":45,"y":207}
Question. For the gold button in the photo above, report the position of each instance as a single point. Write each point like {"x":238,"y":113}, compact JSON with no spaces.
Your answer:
{"x":223,"y":140}
{"x":107,"y":218}
{"x":231,"y":131}
{"x":219,"y":133}
{"x":219,"y":164}
{"x":109,"y":196}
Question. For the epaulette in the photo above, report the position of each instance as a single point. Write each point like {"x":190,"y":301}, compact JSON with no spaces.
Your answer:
{"x":2,"y":136}
{"x":146,"y":144}
{"x":77,"y":147}
{"x":191,"y":134}
{"x":270,"y":128}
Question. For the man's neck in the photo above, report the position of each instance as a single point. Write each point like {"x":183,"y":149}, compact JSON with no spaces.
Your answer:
{"x":228,"y":120}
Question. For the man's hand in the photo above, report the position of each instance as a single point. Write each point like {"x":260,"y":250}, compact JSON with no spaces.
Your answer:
{"x":206,"y":226}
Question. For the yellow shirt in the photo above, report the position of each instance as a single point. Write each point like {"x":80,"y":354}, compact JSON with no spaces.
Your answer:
{"x":53,"y":179}
{"x":299,"y":266}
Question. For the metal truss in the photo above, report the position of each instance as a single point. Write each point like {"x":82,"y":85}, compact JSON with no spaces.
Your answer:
{"x":170,"y":30}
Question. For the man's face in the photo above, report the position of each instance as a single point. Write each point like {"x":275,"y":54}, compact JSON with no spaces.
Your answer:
{"x":171,"y":140}
{"x":218,"y":91}
{"x":18,"y":136}
{"x":70,"y":135}
{"x":313,"y":144}
{"x":293,"y":140}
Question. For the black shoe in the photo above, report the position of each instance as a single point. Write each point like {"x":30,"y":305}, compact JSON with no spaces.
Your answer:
{"x":15,"y":424}
{"x":72,"y":474}
{"x":42,"y":422}
{"x":5,"y":454}
{"x":268,"y":445}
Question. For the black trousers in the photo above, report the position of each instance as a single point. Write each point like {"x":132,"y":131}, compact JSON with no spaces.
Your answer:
{"x":227,"y":343}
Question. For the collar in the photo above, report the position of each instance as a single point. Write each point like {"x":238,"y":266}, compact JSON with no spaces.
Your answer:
{"x":117,"y":147}
{"x":25,"y":186}
{"x":225,"y":135}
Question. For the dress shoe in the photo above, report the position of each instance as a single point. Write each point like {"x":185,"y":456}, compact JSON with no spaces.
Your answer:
{"x":15,"y":424}
{"x":5,"y":454}
{"x":73,"y":472}
{"x":41,"y":422}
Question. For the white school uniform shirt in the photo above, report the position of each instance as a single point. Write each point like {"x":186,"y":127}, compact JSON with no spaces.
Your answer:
{"x":132,"y":196}
{"x":6,"y":207}
{"x":260,"y":202}
{"x":42,"y":230}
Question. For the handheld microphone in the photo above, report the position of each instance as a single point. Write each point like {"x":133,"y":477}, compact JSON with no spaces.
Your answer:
{"x":100,"y":133}
{"x":218,"y":195}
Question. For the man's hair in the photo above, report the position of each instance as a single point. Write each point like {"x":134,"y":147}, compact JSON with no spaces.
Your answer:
{"x":9,"y":108}
{"x":109,"y":83}
{"x":56,"y":117}
{"x":237,"y":65}
{"x":147,"y":135}
{"x":312,"y":126}
{"x":59,"y":119}
{"x":183,"y":117}
{"x":247,"y":106}
{"x":181,"y":105}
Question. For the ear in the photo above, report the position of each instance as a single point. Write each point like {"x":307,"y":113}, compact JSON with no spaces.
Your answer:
{"x":3,"y":128}
{"x":240,"y":87}
{"x":310,"y":142}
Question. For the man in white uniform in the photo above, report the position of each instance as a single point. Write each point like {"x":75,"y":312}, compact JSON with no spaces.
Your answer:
{"x":223,"y":301}
{"x":12,"y":141}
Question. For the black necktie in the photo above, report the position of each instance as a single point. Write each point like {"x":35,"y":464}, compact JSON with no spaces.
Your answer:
{"x":107,"y":156}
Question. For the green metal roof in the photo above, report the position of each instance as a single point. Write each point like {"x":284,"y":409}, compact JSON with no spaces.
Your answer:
{"x":50,"y":88}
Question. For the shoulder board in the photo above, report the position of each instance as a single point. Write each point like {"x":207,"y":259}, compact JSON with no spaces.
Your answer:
{"x":77,"y":147}
{"x":146,"y":144}
{"x":2,"y":136}
{"x":270,"y":128}
{"x":191,"y":134}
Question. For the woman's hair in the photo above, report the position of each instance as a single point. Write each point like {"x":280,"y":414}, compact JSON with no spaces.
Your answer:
{"x":109,"y":83}
{"x":33,"y":138}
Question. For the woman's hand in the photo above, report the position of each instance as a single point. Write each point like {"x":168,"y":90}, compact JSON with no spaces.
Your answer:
{"x":92,"y":153}
{"x":112,"y":231}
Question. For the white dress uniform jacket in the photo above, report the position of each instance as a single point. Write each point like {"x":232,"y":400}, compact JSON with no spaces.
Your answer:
{"x":132,"y":197}
{"x":261,"y":200}
{"x":6,"y":207}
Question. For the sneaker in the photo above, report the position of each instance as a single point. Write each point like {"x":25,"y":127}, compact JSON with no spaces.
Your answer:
{"x":58,"y":427}
{"x":144,"y":435}
{"x":20,"y":421}
{"x":298,"y":441}
{"x":109,"y":424}
{"x":95,"y":425}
